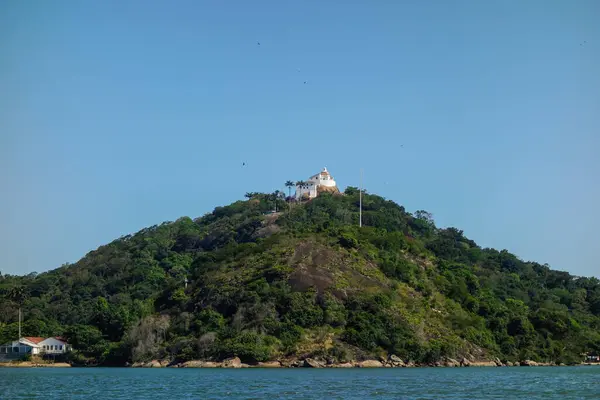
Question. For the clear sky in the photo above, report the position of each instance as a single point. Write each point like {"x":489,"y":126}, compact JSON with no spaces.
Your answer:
{"x":117,"y":115}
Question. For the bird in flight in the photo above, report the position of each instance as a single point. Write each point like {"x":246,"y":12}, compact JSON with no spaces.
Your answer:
{"x":305,"y":82}
{"x":258,"y":43}
{"x":243,"y":164}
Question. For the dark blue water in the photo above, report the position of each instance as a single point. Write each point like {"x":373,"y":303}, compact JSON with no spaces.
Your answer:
{"x":408,"y":383}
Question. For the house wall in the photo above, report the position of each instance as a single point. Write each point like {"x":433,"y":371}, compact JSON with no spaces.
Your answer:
{"x":310,"y":189}
{"x":53,"y":346}
{"x":16,"y":350}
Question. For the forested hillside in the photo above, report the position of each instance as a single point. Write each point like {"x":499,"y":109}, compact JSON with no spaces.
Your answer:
{"x":306,"y":281}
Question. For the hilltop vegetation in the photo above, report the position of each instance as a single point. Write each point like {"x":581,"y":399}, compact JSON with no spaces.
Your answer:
{"x":305,"y":282}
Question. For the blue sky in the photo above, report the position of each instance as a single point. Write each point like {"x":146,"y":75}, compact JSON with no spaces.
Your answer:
{"x":119,"y":115}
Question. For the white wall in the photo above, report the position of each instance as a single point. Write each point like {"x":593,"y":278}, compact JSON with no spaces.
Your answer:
{"x":53,"y":346}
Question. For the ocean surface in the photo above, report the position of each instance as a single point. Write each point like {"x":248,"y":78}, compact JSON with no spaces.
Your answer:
{"x":405,"y":383}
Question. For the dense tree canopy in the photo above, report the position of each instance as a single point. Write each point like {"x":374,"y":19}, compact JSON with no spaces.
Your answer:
{"x":305,"y":281}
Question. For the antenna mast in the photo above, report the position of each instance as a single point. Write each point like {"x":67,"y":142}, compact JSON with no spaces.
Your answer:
{"x":360,"y":199}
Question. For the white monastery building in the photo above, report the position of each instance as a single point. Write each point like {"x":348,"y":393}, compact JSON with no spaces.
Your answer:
{"x":321,"y":182}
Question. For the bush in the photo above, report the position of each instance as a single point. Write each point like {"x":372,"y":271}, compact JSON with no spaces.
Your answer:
{"x":250,"y":347}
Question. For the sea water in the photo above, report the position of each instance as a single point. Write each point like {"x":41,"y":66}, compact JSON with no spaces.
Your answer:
{"x":403,"y":383}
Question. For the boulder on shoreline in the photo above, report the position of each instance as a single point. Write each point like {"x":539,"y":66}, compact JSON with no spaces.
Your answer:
{"x":451,"y":362}
{"x":200,"y":364}
{"x":269,"y":364}
{"x":483,"y":364}
{"x":528,"y":363}
{"x":370,"y":364}
{"x":342,"y":365}
{"x":233,"y":362}
{"x":312,"y":363}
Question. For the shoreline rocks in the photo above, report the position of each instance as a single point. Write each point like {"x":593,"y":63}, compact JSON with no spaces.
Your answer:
{"x":392,"y":361}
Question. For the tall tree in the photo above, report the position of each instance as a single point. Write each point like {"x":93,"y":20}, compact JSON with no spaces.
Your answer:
{"x":18,"y":294}
{"x":289,"y":185}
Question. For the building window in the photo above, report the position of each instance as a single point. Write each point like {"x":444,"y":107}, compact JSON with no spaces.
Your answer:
{"x":60,"y":347}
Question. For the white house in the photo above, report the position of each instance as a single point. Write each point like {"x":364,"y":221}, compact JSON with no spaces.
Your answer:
{"x":33,"y":345}
{"x":323,"y":181}
{"x":54,"y":345}
{"x":21,"y":347}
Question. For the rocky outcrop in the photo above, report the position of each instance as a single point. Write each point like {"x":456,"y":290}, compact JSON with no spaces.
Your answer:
{"x":528,"y":363}
{"x":451,"y":362}
{"x":370,"y":364}
{"x":200,"y":364}
{"x":465,"y":363}
{"x":312,"y":363}
{"x":153,"y":364}
{"x":269,"y":364}
{"x":342,"y":365}
{"x":483,"y":364}
{"x":395,"y":361}
{"x":234,"y":362}
{"x":292,"y":363}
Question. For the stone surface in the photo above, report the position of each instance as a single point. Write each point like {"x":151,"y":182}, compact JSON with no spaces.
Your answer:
{"x":483,"y":364}
{"x":200,"y":364}
{"x":269,"y":364}
{"x":312,"y":363}
{"x":451,"y":362}
{"x":370,"y":364}
{"x":234,"y":362}
{"x":528,"y":363}
{"x":465,"y":363}
{"x":343,"y":365}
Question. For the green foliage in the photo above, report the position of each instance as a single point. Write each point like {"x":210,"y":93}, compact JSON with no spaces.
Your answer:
{"x":249,"y":347}
{"x":305,"y":281}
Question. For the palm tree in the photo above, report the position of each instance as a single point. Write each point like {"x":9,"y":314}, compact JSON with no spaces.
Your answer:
{"x":18,"y":295}
{"x":289,"y":185}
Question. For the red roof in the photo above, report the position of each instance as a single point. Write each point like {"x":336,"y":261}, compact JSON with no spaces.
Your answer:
{"x":34,"y":339}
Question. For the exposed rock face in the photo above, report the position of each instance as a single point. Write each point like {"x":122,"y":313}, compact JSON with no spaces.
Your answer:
{"x":483,"y":364}
{"x":465,"y":363}
{"x":234,"y":362}
{"x":269,"y":364}
{"x":200,"y":364}
{"x":343,"y":365}
{"x":211,"y":364}
{"x":528,"y":363}
{"x":311,"y":363}
{"x":498,"y":362}
{"x":451,"y":362}
{"x":370,"y":364}
{"x":292,"y":363}
{"x":395,"y":361}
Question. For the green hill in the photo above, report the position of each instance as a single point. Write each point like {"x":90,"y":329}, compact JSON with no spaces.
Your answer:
{"x":306,"y":282}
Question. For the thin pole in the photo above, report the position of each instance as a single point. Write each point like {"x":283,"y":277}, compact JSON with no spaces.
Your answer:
{"x":19,"y":323}
{"x":360,"y":199}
